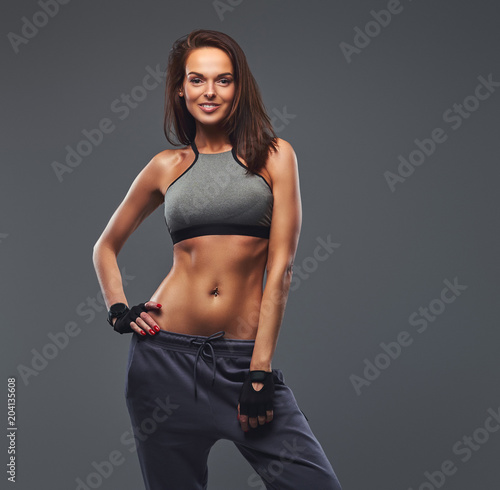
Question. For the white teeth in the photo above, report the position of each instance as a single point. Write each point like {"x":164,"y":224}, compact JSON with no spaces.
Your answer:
{"x":209,"y":105}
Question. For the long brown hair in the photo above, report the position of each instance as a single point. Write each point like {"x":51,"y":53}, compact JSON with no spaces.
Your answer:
{"x":247,"y":124}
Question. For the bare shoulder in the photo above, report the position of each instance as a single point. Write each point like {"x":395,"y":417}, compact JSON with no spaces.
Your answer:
{"x":283,"y":160}
{"x":165,"y":165}
{"x":167,"y":158}
{"x":284,"y":145}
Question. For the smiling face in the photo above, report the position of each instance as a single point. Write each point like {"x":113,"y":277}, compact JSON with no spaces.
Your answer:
{"x":208,"y":81}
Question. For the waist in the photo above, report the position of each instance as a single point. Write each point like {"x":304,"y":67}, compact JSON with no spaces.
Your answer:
{"x":210,"y":289}
{"x":191,"y":343}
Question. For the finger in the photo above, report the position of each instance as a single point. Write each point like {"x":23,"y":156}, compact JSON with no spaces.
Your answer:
{"x":150,"y":322}
{"x":142,"y":324}
{"x":152,"y":304}
{"x":137,"y":329}
{"x":238,"y":413}
{"x":269,"y":415}
{"x":244,"y":423}
{"x":253,"y":422}
{"x":243,"y":420}
{"x":262,"y":419}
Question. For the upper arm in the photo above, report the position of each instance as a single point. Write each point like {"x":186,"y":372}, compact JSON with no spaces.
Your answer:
{"x":287,"y":207}
{"x":143,"y":197}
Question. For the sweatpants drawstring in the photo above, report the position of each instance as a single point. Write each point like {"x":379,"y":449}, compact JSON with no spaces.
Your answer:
{"x":200,"y":351}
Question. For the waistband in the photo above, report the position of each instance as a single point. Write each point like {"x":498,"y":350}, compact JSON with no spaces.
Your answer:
{"x":207,"y":347}
{"x":191,"y":343}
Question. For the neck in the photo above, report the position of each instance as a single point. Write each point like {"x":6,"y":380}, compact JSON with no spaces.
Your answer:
{"x":210,"y":139}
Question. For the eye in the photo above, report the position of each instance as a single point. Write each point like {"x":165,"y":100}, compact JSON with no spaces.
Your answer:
{"x":196,"y":80}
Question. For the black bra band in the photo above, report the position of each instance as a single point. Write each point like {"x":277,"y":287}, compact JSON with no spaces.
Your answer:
{"x":220,"y":229}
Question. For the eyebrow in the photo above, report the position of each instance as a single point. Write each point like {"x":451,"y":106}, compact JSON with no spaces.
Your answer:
{"x":201,"y":74}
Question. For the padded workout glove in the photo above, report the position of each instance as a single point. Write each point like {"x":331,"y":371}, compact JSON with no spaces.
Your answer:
{"x":252,"y":402}
{"x":122,"y":324}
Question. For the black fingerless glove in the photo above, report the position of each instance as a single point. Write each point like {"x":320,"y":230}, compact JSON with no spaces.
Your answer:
{"x":252,"y":402}
{"x":122,"y":324}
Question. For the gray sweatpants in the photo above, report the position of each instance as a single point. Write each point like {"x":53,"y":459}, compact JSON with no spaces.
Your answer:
{"x":182,"y":396}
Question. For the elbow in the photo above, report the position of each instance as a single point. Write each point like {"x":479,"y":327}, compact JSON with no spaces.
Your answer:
{"x":104,"y":248}
{"x":96,"y":246}
{"x":282,"y":268}
{"x":97,"y":250}
{"x":107,"y":244}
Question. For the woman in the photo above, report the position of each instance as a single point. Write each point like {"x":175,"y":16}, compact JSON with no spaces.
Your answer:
{"x":199,"y":366}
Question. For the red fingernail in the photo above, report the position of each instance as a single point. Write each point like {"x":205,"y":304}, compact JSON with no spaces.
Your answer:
{"x":246,"y":430}
{"x":158,"y":305}
{"x":152,"y":332}
{"x":143,"y":332}
{"x":157,"y":328}
{"x":238,"y":415}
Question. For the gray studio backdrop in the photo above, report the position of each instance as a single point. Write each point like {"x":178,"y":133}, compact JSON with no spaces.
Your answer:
{"x":390,"y":337}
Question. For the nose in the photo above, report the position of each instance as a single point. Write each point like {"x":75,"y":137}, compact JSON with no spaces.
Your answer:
{"x":210,"y":89}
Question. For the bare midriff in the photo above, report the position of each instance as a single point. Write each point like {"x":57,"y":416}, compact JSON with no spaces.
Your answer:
{"x":215,"y":283}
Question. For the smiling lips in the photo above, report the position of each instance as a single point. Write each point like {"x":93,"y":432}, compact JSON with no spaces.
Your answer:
{"x":209,"y":107}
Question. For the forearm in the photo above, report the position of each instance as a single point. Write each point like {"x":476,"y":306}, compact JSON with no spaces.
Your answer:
{"x":272,"y":310}
{"x":108,"y":274}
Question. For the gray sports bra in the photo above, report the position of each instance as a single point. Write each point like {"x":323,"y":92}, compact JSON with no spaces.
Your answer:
{"x":213,"y":196}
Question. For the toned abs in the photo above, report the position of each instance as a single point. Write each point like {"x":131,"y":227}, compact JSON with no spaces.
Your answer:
{"x":216,"y":281}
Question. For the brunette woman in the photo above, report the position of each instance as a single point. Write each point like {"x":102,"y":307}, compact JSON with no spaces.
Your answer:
{"x":199,"y":366}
